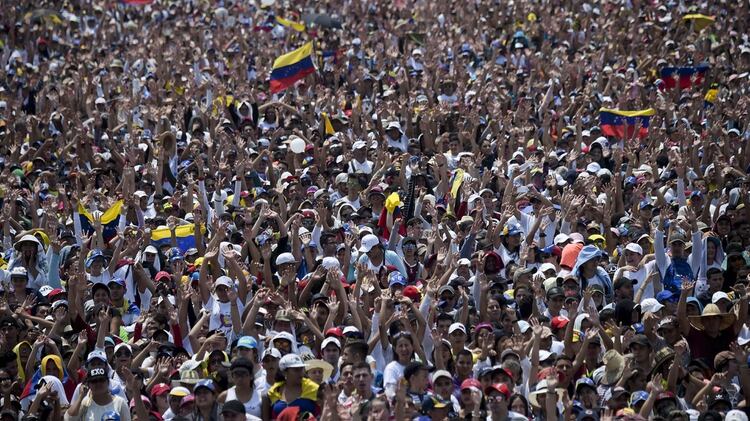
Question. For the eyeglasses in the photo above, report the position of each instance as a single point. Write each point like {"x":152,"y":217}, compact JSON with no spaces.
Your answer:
{"x":495,"y":398}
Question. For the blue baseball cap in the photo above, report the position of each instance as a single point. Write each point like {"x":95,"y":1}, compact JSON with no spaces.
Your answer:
{"x":645,"y":203}
{"x":396,"y":278}
{"x":583,"y":382}
{"x":667,"y":296}
{"x":513,"y":230}
{"x":93,"y":255}
{"x":118,"y":281}
{"x":694,"y":300}
{"x":637,"y":397}
{"x":207,"y":383}
{"x":247,"y":342}
{"x":175,"y":254}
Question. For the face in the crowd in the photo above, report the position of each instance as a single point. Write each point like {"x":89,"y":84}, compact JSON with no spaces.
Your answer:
{"x":362,"y":380}
{"x":99,"y":385}
{"x":496,"y":401}
{"x":116,"y":291}
{"x":641,"y":353}
{"x":242,"y":377}
{"x":222,"y":293}
{"x":97,"y":266}
{"x":715,"y":282}
{"x":514,"y":241}
{"x":379,"y":411}
{"x":565,"y":369}
{"x":588,"y":397}
{"x":632,"y":258}
{"x":204,"y":397}
{"x":494,"y":309}
{"x":101,"y":296}
{"x":123,"y":357}
{"x":518,"y":405}
{"x":174,"y":403}
{"x":19,"y":283}
{"x":404,"y":348}
{"x":294,"y":374}
{"x":28,"y":250}
{"x":678,"y":249}
{"x":464,"y":365}
{"x":331,"y":354}
{"x":418,"y":381}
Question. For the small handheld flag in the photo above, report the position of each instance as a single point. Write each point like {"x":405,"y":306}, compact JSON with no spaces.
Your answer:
{"x":618,"y":123}
{"x":292,"y":67}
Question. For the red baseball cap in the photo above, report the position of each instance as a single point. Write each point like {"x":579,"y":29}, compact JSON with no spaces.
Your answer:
{"x":160,"y":389}
{"x":559,"y":322}
{"x":412,"y":293}
{"x":334,"y":331}
{"x":500,"y":387}
{"x":471,"y":383}
{"x":161,"y":275}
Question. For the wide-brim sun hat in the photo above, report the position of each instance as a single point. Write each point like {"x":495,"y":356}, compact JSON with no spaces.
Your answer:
{"x":712,"y":310}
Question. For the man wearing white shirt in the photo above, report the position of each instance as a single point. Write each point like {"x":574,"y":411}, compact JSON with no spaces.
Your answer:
{"x":633,"y":256}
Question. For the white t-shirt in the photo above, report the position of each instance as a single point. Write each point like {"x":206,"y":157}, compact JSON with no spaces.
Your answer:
{"x":90,"y":411}
{"x":639,"y":276}
{"x":392,"y":374}
{"x":104,"y":278}
{"x":221,"y":315}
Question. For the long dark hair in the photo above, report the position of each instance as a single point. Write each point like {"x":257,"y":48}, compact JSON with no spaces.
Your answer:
{"x":523,"y":399}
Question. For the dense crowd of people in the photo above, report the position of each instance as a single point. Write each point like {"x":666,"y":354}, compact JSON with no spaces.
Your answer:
{"x":374,"y":210}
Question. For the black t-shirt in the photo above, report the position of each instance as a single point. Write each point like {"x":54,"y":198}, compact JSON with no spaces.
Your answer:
{"x":705,"y":348}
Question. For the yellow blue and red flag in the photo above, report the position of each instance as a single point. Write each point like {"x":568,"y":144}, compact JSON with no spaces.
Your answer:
{"x":619,"y":123}
{"x":292,"y":67}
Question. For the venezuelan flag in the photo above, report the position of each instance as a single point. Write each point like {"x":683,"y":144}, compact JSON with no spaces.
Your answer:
{"x":616,"y":122}
{"x":700,"y":22}
{"x":393,"y":206}
{"x":110,"y":220}
{"x":299,"y":27}
{"x":185,"y":235}
{"x":688,"y":76}
{"x":292,"y":67}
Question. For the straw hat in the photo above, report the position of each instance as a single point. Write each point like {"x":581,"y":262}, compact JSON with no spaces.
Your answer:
{"x":541,"y":389}
{"x":324,"y":365}
{"x":614,"y":364}
{"x":712,"y":310}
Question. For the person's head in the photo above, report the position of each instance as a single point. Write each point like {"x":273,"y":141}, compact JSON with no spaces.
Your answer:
{"x":222,"y":285}
{"x":241,"y":372}
{"x":585,"y":393}
{"x":116,"y":289}
{"x":330,"y":350}
{"x":292,"y":368}
{"x":205,"y":393}
{"x":233,"y":410}
{"x":715,"y":279}
{"x":404,"y":346}
{"x":498,"y":397}
{"x":123,"y":355}
{"x":416,"y":375}
{"x":519,"y":404}
{"x":355,"y":351}
{"x":97,"y":379}
{"x":175,"y":398}
{"x":160,"y":396}
{"x":362,"y":376}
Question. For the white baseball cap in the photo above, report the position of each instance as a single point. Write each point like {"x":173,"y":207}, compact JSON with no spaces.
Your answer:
{"x":330,"y":340}
{"x":635,"y":248}
{"x":561,"y":238}
{"x":330,"y":263}
{"x":368,"y":242}
{"x":650,"y":305}
{"x":285,"y":258}
{"x":718,"y":296}
{"x":291,"y":361}
{"x":224,"y":280}
{"x":457,"y":326}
